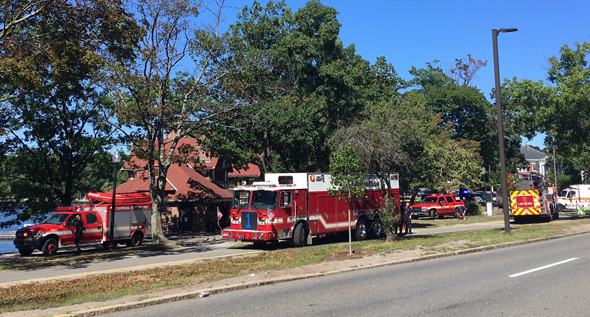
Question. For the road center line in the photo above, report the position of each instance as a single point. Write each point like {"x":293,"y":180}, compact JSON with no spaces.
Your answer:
{"x":543,"y":267}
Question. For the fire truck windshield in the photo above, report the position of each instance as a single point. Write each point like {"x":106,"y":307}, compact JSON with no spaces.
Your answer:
{"x":241,"y":199}
{"x":265,"y":200}
{"x":55,"y":219}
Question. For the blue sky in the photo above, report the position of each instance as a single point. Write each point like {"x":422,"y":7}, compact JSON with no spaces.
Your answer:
{"x":411,"y":33}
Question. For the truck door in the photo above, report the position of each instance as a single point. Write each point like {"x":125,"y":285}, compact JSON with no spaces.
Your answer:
{"x":449,"y":205}
{"x":286,"y":210}
{"x":92,"y":228}
{"x":67,"y":231}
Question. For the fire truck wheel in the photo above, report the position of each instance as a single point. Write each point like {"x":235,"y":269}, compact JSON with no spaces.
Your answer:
{"x":25,"y":252}
{"x":432,"y":214}
{"x":457,"y":213}
{"x":377,"y":228}
{"x":361,"y":231}
{"x":136,"y":240}
{"x":300,"y":235}
{"x":49,"y":247}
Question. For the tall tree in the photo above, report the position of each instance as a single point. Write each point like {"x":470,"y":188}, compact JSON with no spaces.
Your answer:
{"x":465,"y":110}
{"x":560,"y":108}
{"x":302,"y":85}
{"x":50,"y":64}
{"x":172,"y":90}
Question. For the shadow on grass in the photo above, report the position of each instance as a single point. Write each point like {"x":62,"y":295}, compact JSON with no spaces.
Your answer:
{"x":70,"y":259}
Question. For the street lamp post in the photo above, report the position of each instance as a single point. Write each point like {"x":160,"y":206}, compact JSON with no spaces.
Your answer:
{"x":116,"y":160}
{"x":501,"y":127}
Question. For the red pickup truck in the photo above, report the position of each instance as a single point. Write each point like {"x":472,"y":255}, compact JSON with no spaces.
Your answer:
{"x":437,"y":205}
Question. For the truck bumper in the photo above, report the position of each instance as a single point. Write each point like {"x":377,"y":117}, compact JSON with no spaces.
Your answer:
{"x":249,"y":235}
{"x":26,"y":243}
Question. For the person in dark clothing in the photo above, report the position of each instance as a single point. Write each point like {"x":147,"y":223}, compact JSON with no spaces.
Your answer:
{"x":78,"y":229}
{"x":463,"y":209}
{"x":408,"y":218}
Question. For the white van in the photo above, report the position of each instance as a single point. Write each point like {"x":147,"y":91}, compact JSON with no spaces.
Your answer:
{"x":574,"y":197}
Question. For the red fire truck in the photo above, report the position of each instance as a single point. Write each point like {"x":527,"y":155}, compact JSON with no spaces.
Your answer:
{"x":534,"y":198}
{"x":132,"y":225}
{"x":298,"y":206}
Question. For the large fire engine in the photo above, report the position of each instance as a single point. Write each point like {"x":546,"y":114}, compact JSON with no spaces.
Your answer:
{"x":533,"y":198}
{"x":132,"y":221}
{"x":298,"y":206}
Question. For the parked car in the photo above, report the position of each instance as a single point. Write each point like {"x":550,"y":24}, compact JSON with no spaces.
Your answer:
{"x":437,"y":205}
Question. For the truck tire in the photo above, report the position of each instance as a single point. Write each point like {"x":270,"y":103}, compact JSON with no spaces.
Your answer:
{"x":136,"y":240}
{"x":299,"y":235}
{"x":457,"y":213}
{"x":376,"y":227}
{"x":25,"y":252}
{"x":49,"y":247}
{"x":432,"y":214}
{"x":361,"y":231}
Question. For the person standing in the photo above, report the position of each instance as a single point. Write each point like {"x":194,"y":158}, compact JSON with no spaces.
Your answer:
{"x":78,"y":229}
{"x":408,"y":218}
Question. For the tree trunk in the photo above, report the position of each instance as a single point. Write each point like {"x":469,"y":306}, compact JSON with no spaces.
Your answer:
{"x":158,"y":208}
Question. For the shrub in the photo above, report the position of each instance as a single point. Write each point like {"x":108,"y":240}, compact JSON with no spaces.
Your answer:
{"x":390,"y":217}
{"x":473,"y":208}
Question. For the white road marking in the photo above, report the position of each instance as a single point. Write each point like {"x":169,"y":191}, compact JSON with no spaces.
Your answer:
{"x":543,"y":267}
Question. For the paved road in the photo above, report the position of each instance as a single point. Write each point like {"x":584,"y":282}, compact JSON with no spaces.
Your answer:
{"x":549,"y":278}
{"x":203,"y":248}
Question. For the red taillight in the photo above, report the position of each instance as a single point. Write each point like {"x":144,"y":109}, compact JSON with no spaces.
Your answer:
{"x":139,"y":227}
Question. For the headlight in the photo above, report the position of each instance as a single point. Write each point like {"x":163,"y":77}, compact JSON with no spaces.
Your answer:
{"x":36,"y":234}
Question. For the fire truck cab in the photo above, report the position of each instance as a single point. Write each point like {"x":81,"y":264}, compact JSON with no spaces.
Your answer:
{"x":298,"y":206}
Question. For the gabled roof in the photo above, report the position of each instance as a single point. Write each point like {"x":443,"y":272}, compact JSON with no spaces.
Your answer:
{"x":531,"y":154}
{"x":182,"y":183}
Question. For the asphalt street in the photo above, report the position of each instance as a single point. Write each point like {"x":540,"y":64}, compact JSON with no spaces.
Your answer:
{"x":549,"y":278}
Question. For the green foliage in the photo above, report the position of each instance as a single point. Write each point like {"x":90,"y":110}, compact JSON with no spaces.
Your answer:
{"x":49,"y":89}
{"x":559,"y":108}
{"x":463,"y":109}
{"x":298,"y":84}
{"x":390,"y":217}
{"x":347,"y":174}
{"x":473,"y":208}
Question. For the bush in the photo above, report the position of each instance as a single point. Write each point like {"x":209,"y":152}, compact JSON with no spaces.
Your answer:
{"x":473,"y":208}
{"x":390,"y":218}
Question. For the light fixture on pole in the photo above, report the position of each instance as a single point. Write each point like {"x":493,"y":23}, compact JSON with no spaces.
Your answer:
{"x":116,"y":161}
{"x":505,"y":201}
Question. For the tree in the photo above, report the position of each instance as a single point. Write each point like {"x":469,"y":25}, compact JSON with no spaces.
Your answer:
{"x":172,"y":90}
{"x":465,"y":111}
{"x":388,"y":138}
{"x":14,"y":13}
{"x":55,"y":128}
{"x":559,"y":109}
{"x":302,"y":84}
{"x":347,"y":179}
{"x":464,"y":72}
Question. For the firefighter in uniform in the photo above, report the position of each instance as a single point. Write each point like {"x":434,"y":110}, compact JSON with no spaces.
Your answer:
{"x":78,"y":229}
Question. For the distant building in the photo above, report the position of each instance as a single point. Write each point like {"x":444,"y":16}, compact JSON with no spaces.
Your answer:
{"x":536,"y":160}
{"x":196,"y":188}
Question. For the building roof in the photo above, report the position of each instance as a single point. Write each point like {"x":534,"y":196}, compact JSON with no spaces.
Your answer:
{"x":250,"y":171}
{"x":182,"y":183}
{"x":531,"y":154}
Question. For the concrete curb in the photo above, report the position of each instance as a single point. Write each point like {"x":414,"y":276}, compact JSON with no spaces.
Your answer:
{"x":218,"y":290}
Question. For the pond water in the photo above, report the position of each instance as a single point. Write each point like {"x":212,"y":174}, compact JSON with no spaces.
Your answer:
{"x":6,"y":236}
